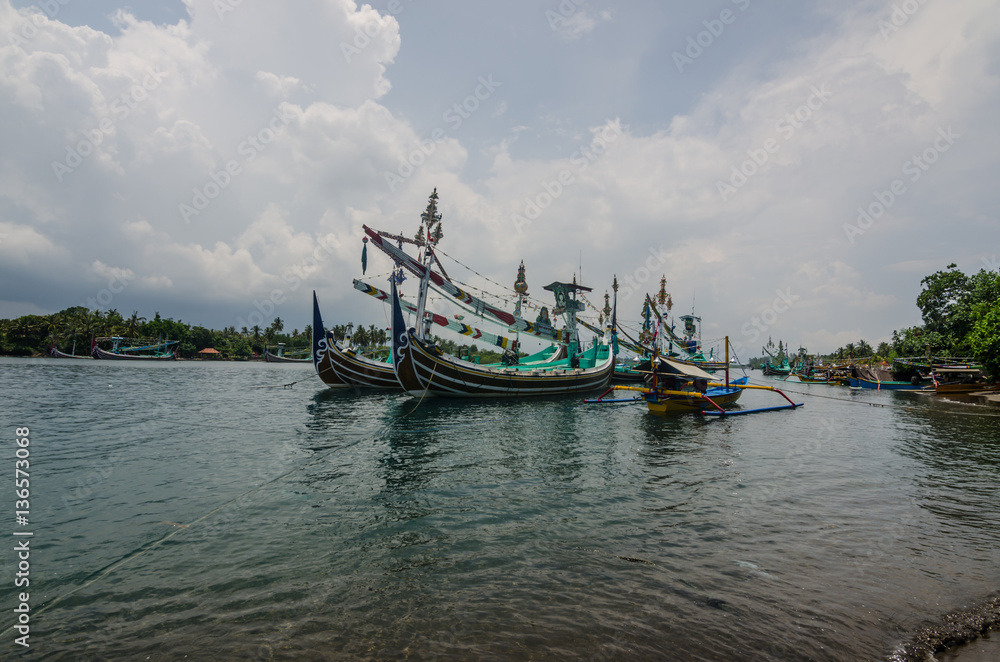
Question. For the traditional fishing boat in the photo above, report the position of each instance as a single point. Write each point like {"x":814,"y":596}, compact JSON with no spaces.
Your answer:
{"x":778,"y":365}
{"x":123,"y":349}
{"x":883,"y":380}
{"x":340,"y":367}
{"x":676,"y":388}
{"x":55,"y":353}
{"x":280,"y":356}
{"x":961,"y":380}
{"x":423,"y":369}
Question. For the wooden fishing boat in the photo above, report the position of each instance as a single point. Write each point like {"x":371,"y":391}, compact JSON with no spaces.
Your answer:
{"x":158,"y":351}
{"x":422,"y":369}
{"x":279,"y":356}
{"x":677,"y":388}
{"x":55,"y":353}
{"x":958,"y":380}
{"x":340,"y":367}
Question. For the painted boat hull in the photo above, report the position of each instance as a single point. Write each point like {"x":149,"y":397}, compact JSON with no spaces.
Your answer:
{"x":885,"y":386}
{"x":111,"y":356}
{"x":679,"y":404}
{"x":423,"y":370}
{"x":337,"y":369}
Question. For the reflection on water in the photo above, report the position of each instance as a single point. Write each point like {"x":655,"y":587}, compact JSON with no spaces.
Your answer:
{"x":254,"y":522}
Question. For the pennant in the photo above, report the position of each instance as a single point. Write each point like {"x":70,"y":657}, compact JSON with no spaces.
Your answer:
{"x":364,"y":256}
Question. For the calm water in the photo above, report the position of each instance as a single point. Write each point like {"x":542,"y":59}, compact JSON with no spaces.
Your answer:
{"x":192,"y":509}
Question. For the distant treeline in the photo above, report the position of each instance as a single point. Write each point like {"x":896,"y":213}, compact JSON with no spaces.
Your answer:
{"x":961,"y":317}
{"x":31,"y":335}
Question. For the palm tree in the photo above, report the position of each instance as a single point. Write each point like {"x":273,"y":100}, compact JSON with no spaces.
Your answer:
{"x":133,"y":324}
{"x":277,"y":325}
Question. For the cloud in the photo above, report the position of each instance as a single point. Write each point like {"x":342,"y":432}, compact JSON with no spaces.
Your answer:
{"x":273,"y":125}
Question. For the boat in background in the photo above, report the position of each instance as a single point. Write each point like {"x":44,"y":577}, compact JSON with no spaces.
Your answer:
{"x":123,"y":350}
{"x":960,"y":380}
{"x":55,"y":353}
{"x":280,"y":357}
{"x":883,"y":380}
{"x":778,"y":365}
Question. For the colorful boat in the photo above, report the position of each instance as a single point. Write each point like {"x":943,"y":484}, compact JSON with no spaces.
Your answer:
{"x":122,"y":349}
{"x":679,"y":388}
{"x":423,"y":369}
{"x":340,"y":367}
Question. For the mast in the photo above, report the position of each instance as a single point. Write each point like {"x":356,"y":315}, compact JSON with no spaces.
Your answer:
{"x":430,"y":225}
{"x":521,"y":287}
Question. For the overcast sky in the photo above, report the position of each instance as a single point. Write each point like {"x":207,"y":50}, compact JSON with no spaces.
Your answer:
{"x":793,"y":169}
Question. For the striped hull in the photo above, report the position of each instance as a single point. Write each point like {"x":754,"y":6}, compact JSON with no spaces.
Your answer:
{"x":338,"y":368}
{"x":423,"y":370}
{"x":104,"y":354}
{"x":355,"y":370}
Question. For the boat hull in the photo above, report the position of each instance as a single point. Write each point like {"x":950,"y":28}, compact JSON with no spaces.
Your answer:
{"x":111,"y":356}
{"x":681,"y":404}
{"x":423,"y":370}
{"x":857,"y":382}
{"x":957,"y":389}
{"x":274,"y":358}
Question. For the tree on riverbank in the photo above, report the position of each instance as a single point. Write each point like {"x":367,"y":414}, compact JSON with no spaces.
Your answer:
{"x":961,"y":317}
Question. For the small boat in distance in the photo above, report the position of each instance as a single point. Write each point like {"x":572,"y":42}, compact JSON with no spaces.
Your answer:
{"x":279,"y":356}
{"x":55,"y":353}
{"x":124,"y":349}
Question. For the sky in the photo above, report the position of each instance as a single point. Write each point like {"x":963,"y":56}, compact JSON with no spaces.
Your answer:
{"x":792,"y":169}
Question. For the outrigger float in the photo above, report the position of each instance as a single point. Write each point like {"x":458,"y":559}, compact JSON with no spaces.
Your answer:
{"x":681,"y":388}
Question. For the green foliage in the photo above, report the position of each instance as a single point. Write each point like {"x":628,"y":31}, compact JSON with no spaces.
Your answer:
{"x":985,"y":337}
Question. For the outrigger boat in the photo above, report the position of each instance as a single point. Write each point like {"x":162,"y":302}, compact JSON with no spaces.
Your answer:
{"x":679,"y":388}
{"x":423,"y":369}
{"x":158,"y":351}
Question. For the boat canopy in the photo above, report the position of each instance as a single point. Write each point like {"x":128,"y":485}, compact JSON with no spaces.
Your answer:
{"x":684,"y":369}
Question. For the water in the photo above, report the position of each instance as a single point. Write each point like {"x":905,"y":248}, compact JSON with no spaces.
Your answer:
{"x":193,"y":509}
